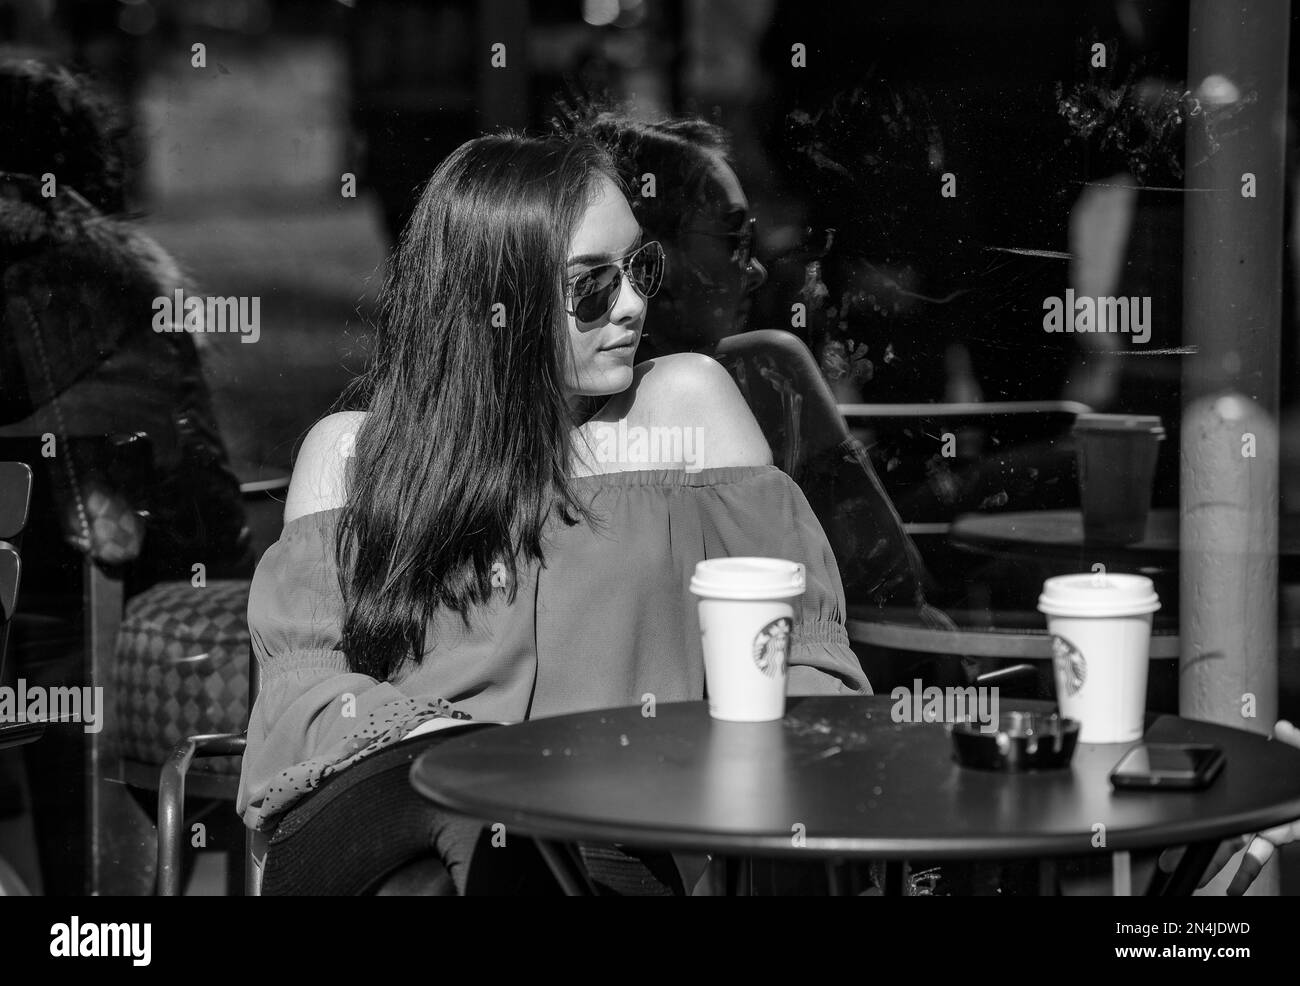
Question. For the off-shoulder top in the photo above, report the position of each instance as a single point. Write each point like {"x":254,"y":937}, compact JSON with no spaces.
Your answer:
{"x":608,"y":620}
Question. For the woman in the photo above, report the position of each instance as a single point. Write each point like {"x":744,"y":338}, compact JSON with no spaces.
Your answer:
{"x":697,"y":208}
{"x":700,"y":213}
{"x":460,"y":549}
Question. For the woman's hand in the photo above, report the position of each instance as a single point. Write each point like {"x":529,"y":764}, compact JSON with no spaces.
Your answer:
{"x":1262,"y":845}
{"x":1259,"y":847}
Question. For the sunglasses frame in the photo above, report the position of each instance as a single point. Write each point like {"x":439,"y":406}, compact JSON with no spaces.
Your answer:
{"x":744,"y":239}
{"x":623,"y":265}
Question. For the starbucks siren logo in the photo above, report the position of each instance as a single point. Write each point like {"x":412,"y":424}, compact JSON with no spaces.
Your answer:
{"x":772,"y":646}
{"x":1071,"y":668}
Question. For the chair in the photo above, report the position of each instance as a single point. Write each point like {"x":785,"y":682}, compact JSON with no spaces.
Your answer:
{"x":15,"y":497}
{"x":789,"y":397}
{"x":857,"y":481}
{"x":159,"y":632}
{"x":174,"y":780}
{"x":155,"y":684}
{"x":415,"y":876}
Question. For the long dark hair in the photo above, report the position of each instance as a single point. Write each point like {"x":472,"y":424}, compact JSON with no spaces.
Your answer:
{"x":677,"y":151}
{"x":464,"y":454}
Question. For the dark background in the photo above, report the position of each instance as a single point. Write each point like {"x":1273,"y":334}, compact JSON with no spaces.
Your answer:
{"x":239,"y":166}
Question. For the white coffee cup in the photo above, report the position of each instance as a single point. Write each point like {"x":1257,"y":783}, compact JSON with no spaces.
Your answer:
{"x":746,"y":609}
{"x":1100,"y":624}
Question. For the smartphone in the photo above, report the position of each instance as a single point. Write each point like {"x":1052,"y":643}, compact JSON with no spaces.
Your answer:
{"x":1168,"y":766}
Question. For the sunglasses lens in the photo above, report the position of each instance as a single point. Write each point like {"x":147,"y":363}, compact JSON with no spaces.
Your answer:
{"x":593,"y":292}
{"x":647,"y":269}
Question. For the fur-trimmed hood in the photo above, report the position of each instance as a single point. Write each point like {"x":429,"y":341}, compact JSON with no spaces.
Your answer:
{"x":89,"y":243}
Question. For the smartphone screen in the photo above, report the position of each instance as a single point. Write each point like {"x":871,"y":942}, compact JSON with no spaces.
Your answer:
{"x":1172,"y":764}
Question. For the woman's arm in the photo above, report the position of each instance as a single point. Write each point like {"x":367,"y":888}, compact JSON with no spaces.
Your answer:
{"x":313,"y":713}
{"x":320,"y":475}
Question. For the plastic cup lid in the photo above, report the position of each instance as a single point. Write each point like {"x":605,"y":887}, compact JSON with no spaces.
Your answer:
{"x":1135,"y":423}
{"x":748,"y":578}
{"x":1098,"y":594}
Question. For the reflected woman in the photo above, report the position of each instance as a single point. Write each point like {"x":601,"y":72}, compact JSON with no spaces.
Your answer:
{"x":465,"y":546}
{"x":701,"y":215}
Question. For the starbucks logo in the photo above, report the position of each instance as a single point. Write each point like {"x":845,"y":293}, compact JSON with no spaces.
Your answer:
{"x":1070,"y":666}
{"x":772,"y":647}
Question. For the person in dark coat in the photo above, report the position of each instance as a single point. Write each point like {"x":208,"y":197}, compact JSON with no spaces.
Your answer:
{"x":113,"y":416}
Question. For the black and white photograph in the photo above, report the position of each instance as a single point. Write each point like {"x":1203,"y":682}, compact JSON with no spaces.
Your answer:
{"x":651,"y":448}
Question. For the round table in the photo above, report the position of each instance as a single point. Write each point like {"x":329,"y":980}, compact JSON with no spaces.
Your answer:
{"x":837,"y":778}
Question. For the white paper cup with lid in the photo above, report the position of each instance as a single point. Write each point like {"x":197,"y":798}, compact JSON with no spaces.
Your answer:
{"x":746,"y":609}
{"x":1100,"y":624}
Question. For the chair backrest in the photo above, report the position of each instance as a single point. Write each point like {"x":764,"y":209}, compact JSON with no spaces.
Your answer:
{"x":795,"y":407}
{"x":15,"y":499}
{"x":940,"y":460}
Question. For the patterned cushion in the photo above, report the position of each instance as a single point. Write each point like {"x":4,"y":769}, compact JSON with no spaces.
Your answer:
{"x":182,"y":669}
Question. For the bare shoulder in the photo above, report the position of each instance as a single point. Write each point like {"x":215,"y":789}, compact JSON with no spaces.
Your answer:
{"x":687,"y":376}
{"x":681,"y":367}
{"x":691,"y":390}
{"x":320,"y":473}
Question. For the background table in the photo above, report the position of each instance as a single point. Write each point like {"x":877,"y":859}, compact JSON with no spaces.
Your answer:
{"x":837,"y":778}
{"x":1057,"y":535}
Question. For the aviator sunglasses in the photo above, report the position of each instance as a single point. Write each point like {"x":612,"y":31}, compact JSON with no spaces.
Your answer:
{"x":742,"y":240}
{"x":594,"y":292}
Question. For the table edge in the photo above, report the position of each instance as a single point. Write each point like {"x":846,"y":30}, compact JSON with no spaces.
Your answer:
{"x":560,"y":828}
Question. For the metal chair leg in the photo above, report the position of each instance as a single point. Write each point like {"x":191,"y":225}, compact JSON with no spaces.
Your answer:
{"x":171,"y":803}
{"x":566,"y":868}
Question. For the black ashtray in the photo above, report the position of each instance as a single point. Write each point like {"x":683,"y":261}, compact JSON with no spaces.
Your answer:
{"x":1021,"y":741}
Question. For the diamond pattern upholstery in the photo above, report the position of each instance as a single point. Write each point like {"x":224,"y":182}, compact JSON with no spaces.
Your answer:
{"x":182,"y":668}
